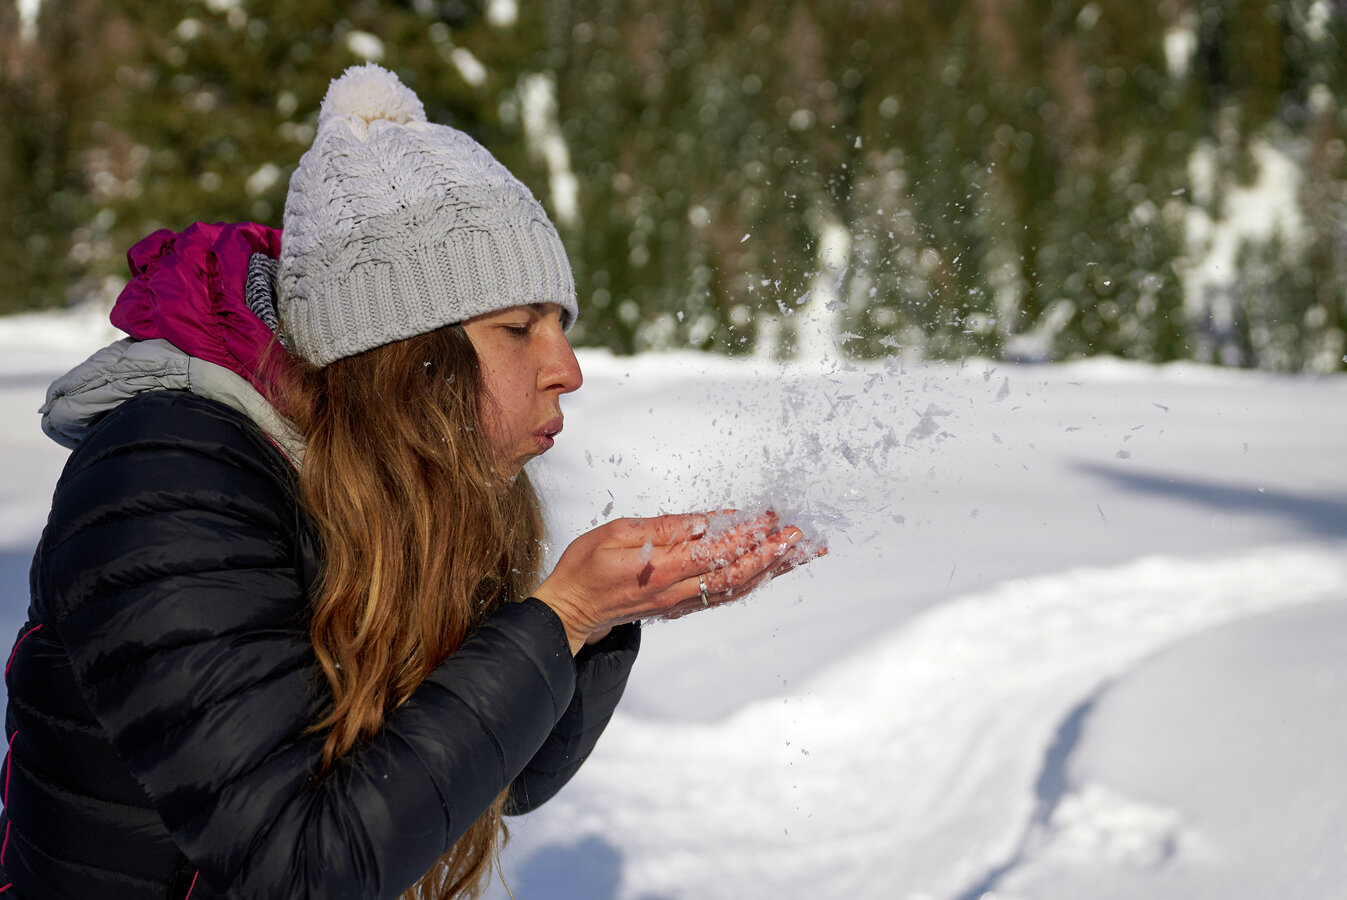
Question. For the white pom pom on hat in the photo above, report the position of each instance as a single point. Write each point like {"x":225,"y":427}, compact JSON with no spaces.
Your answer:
{"x":395,"y":226}
{"x":368,"y":93}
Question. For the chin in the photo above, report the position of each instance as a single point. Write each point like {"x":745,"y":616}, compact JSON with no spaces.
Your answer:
{"x":511,"y":471}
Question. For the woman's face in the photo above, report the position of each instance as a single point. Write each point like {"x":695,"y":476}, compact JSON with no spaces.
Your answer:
{"x":527,"y":364}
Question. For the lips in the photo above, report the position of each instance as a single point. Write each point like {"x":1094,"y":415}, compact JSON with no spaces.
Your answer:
{"x":546,"y":434}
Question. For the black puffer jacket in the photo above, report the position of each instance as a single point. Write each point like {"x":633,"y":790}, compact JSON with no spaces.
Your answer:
{"x":161,"y":693}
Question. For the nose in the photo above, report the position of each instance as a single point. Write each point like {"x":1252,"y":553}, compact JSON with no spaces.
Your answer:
{"x":561,"y":371}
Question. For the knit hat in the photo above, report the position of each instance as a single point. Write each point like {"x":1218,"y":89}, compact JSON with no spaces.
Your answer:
{"x":395,"y":227}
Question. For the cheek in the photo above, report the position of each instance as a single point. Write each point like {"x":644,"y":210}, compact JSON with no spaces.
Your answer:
{"x":505,"y":387}
{"x":504,"y":408}
{"x":501,"y":373}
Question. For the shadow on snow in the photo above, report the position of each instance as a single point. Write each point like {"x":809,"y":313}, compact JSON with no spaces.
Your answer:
{"x":1320,"y":516}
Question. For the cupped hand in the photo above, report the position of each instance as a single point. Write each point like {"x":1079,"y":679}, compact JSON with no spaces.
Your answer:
{"x":631,"y":569}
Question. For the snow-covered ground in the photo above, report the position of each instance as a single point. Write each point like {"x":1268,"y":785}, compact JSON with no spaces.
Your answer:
{"x":1079,"y":633}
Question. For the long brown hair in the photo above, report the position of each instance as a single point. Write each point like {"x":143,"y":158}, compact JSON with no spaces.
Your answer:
{"x":421,"y":540}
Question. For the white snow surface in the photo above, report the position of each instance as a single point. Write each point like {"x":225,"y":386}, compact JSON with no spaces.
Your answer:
{"x":1078,"y":634}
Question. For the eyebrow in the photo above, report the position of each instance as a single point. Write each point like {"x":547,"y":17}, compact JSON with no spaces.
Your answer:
{"x":542,"y":310}
{"x":538,"y":309}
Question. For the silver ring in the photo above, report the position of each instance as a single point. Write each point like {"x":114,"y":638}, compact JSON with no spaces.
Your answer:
{"x":701,"y":587}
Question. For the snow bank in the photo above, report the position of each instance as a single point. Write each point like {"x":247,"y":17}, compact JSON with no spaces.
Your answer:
{"x":918,"y":766}
{"x":1214,"y":770}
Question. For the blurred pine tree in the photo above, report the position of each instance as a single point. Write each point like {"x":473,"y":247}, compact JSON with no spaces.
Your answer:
{"x":52,"y":74}
{"x":1030,"y":179}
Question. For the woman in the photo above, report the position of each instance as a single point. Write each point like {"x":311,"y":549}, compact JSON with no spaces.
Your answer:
{"x":287,"y":634}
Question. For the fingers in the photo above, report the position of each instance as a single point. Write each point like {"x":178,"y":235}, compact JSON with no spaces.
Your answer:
{"x":799,"y":555}
{"x":777,"y":554}
{"x":763,"y":556}
{"x":673,"y":556}
{"x":728,"y":538}
{"x":674,"y":547}
{"x":663,"y":531}
{"x":720,"y":530}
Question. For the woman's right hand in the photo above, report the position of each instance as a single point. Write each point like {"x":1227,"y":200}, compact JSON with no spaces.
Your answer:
{"x":631,"y":569}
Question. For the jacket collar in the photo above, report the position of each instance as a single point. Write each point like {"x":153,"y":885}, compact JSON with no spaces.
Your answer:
{"x":129,"y":367}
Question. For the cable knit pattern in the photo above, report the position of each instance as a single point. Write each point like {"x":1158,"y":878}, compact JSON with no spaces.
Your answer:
{"x":395,"y":227}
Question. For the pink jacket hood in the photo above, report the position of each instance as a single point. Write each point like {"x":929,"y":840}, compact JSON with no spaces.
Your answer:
{"x":188,"y":288}
{"x":189,"y":309}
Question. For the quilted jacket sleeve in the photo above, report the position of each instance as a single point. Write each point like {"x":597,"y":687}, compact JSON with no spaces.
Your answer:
{"x":169,"y":570}
{"x":601,"y":676}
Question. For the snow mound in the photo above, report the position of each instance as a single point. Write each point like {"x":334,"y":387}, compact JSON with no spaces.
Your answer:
{"x":912,"y":768}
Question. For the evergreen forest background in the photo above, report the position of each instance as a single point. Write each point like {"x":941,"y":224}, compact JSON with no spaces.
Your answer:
{"x":1019,"y":179}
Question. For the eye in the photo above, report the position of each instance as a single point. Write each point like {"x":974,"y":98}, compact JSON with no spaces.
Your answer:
{"x":518,"y":329}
